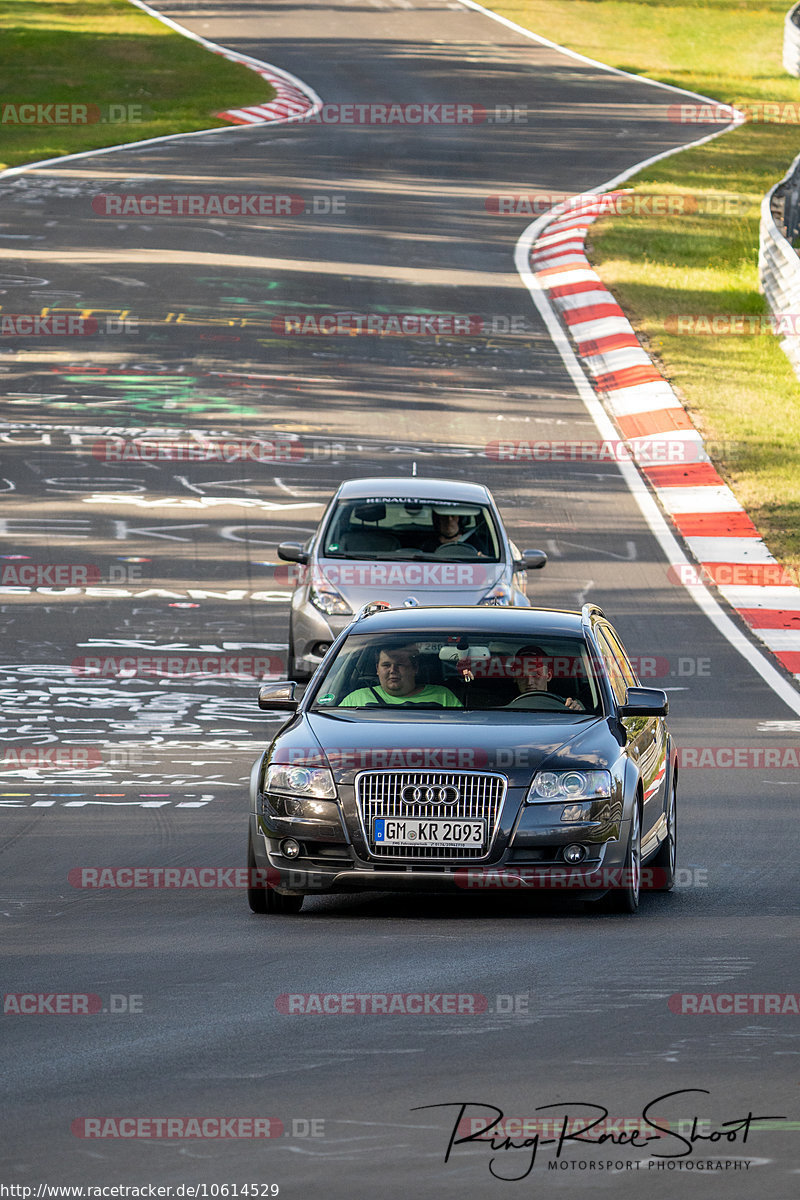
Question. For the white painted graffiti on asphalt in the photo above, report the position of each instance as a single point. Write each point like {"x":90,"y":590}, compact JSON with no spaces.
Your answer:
{"x":50,"y":703}
{"x":79,"y":801}
{"x":121,"y":530}
{"x":101,"y":592}
{"x":198,"y":502}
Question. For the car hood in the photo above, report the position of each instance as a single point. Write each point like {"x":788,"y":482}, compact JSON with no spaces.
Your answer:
{"x":514,"y":743}
{"x":436,"y":583}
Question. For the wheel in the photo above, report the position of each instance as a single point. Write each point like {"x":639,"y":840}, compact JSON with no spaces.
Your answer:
{"x":282,"y":905}
{"x":662,"y":867}
{"x":626,"y":898}
{"x":267,"y":900}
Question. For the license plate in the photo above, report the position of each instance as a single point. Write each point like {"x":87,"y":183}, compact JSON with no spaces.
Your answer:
{"x":402,"y":831}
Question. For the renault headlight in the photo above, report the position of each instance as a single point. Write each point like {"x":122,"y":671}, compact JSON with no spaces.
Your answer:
{"x":555,"y":786}
{"x":300,"y":781}
{"x":324,"y":596}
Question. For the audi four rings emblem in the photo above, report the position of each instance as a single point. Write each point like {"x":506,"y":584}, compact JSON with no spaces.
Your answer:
{"x":436,"y":794}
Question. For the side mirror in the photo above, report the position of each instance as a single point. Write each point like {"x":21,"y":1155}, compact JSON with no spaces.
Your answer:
{"x":531,"y":560}
{"x":292,"y":552}
{"x":644,"y":702}
{"x":278,"y":696}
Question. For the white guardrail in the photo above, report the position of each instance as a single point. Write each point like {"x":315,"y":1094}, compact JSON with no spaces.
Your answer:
{"x":779,"y":274}
{"x":791,"y":42}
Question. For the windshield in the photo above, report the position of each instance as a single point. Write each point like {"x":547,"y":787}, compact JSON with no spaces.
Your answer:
{"x":460,"y":671}
{"x":404,"y":528}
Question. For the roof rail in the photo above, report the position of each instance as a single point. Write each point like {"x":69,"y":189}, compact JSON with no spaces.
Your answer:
{"x":591,"y":610}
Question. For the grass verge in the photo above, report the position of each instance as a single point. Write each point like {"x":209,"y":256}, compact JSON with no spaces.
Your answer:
{"x":135,"y":77}
{"x":738,"y":387}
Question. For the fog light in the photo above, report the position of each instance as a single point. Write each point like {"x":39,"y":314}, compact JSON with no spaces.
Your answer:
{"x":320,"y":649}
{"x":575,"y":854}
{"x":290,"y":848}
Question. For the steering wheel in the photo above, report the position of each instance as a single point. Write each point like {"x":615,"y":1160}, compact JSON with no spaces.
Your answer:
{"x":545,"y":700}
{"x":456,"y":550}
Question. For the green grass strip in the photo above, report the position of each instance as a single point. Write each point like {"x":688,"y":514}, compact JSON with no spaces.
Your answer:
{"x":138,"y":76}
{"x":702,"y":260}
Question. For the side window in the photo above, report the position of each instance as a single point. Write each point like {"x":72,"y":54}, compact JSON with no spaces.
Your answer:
{"x":622,"y":658}
{"x":614,"y":667}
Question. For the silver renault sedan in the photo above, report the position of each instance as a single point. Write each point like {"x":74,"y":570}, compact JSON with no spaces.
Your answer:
{"x":407,"y":542}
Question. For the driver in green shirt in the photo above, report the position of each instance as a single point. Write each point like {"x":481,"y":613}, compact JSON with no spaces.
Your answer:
{"x":397,"y":683}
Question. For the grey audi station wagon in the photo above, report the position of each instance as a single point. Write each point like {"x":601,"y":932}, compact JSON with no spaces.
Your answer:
{"x":472,"y":748}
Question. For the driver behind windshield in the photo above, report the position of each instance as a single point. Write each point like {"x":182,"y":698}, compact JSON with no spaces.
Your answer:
{"x":446,"y":528}
{"x":533,"y":671}
{"x":451,"y":529}
{"x":397,"y":669}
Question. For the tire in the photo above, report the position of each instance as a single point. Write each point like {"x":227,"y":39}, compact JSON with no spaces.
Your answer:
{"x":283,"y":905}
{"x":626,"y":899}
{"x":264,"y":900}
{"x":664,"y":862}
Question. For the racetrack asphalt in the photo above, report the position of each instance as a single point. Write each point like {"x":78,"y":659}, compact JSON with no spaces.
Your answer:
{"x":200,"y":299}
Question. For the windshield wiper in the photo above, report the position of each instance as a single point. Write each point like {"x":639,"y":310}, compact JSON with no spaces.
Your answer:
{"x":352,"y":554}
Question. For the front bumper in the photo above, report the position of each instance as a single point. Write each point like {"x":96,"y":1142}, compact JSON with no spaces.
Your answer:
{"x":526,"y":853}
{"x":310,"y":629}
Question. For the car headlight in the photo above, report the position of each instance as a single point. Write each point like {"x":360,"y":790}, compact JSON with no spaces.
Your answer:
{"x":324,"y":596}
{"x":497,"y":595}
{"x":569,"y":785}
{"x":300,"y":781}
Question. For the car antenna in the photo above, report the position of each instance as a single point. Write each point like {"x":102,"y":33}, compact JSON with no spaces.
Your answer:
{"x":413,"y":469}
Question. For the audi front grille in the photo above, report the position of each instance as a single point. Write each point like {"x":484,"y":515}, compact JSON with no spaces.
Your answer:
{"x":455,"y":796}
